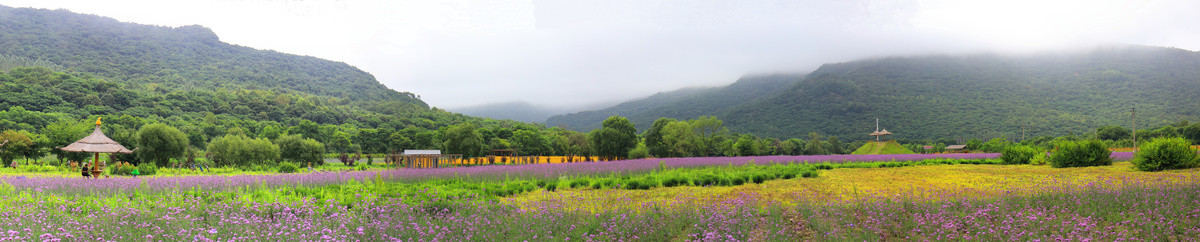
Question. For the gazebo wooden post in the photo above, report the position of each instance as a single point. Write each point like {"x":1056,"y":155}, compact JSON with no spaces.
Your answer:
{"x":96,"y":166}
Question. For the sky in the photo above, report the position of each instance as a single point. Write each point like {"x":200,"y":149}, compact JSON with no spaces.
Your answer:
{"x":575,"y":53}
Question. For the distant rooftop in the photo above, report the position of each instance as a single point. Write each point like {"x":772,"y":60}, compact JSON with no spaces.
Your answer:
{"x":422,"y":152}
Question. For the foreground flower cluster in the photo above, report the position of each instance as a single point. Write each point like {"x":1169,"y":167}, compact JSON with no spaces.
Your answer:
{"x":212,"y":208}
{"x":1137,"y":211}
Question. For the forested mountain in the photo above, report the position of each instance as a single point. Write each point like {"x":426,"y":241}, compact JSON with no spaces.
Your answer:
{"x":985,"y":96}
{"x":61,"y":69}
{"x":183,"y":58}
{"x":959,"y":97}
{"x":682,"y":104}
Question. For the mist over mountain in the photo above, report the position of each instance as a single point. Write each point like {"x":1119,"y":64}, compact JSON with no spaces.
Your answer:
{"x":951,"y":96}
{"x":519,"y":111}
{"x":686,"y":103}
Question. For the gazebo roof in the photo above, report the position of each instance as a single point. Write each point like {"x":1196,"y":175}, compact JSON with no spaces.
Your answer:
{"x":884,"y":132}
{"x":97,"y":142}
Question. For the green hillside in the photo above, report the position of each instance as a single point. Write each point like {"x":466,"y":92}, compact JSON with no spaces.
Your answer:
{"x":984,"y":96}
{"x":955,"y":97}
{"x":889,"y":147}
{"x":59,"y":68}
{"x":683,"y":104}
{"x":183,"y":58}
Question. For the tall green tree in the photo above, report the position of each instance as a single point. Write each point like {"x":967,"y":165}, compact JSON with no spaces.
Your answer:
{"x":708,"y":128}
{"x":1113,"y":133}
{"x":681,"y":140}
{"x":615,"y":137}
{"x":815,"y":146}
{"x":300,"y":150}
{"x":158,"y":143}
{"x":531,"y":143}
{"x":1191,"y":132}
{"x":654,"y":138}
{"x":746,"y":146}
{"x":464,"y":139}
{"x":835,"y":146}
{"x":240,"y":150}
{"x":18,"y":142}
{"x":63,"y":133}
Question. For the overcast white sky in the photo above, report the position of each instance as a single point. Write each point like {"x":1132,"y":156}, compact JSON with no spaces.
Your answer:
{"x":457,"y":53}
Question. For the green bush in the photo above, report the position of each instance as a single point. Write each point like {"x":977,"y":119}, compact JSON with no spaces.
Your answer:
{"x":287,"y":167}
{"x":37,"y":168}
{"x":123,"y":170}
{"x":147,"y":169}
{"x":1164,"y":154}
{"x":759,"y":178}
{"x":1039,"y":159}
{"x":1080,"y":154}
{"x":1020,"y":154}
{"x":581,"y":182}
{"x":640,"y":152}
{"x":675,"y":180}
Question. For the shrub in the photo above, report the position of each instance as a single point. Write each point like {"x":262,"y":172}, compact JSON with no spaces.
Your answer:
{"x":1020,"y":154}
{"x":634,"y":184}
{"x":759,"y":178}
{"x":675,"y":180}
{"x":581,"y":182}
{"x":147,"y":169}
{"x":707,"y":180}
{"x":287,"y":167}
{"x":1164,"y":154}
{"x":737,"y":180}
{"x":1080,"y":154}
{"x":37,"y":168}
{"x":1039,"y":159}
{"x":123,"y":170}
{"x":640,"y":152}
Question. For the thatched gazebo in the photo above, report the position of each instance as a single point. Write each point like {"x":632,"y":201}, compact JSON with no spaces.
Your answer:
{"x":97,"y":143}
{"x":880,"y":134}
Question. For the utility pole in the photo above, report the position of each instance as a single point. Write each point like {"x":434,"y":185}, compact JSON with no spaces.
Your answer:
{"x":1133,"y":121}
{"x":1023,"y":131}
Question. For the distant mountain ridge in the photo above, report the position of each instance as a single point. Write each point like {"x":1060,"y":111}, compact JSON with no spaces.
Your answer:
{"x":519,"y":111}
{"x":956,"y":96}
{"x":687,"y":103}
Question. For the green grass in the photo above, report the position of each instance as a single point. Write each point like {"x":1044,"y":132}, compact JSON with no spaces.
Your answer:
{"x":889,"y":147}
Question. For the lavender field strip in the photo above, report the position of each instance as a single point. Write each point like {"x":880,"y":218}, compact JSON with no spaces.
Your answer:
{"x":1148,"y":210}
{"x":498,"y":172}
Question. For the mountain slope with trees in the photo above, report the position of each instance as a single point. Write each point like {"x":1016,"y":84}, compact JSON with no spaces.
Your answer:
{"x":60,"y":70}
{"x":183,"y":58}
{"x":958,"y":97}
{"x":984,"y":96}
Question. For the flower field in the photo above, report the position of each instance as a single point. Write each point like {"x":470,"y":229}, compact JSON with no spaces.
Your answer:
{"x":914,"y":197}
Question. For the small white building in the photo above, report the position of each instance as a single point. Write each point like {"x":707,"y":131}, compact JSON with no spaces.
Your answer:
{"x":422,"y":152}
